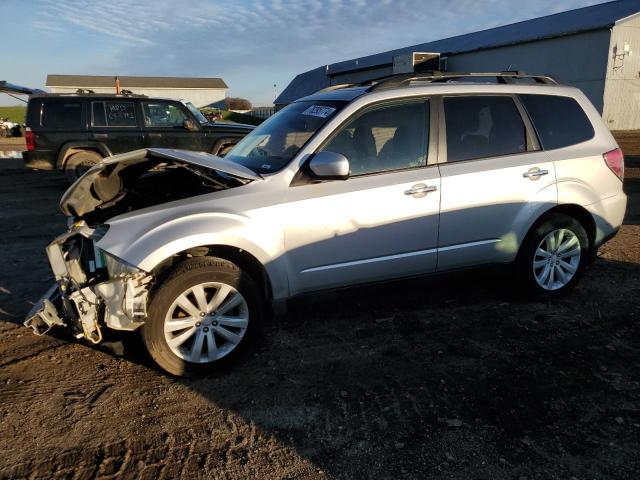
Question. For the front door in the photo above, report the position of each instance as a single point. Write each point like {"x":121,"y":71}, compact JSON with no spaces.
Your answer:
{"x":164,"y":123}
{"x":494,"y":182}
{"x":382,"y":222}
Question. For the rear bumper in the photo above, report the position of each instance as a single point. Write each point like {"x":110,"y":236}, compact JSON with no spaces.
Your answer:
{"x":39,"y":160}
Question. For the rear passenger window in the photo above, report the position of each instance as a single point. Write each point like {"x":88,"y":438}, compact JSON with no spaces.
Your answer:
{"x":60,"y":115}
{"x":113,"y":114}
{"x":559,"y":121}
{"x":483,"y":126}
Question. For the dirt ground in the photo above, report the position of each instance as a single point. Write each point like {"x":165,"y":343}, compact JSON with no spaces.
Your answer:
{"x":447,"y":377}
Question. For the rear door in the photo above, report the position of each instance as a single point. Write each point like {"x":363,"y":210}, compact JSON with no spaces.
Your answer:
{"x":164,"y":126}
{"x":495,"y":180}
{"x":114,"y":123}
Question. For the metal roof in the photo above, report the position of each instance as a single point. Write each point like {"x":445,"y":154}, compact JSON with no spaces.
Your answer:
{"x":595,"y":17}
{"x":97,"y":81}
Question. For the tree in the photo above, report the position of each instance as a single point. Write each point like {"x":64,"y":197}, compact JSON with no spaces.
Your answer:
{"x":234,"y":103}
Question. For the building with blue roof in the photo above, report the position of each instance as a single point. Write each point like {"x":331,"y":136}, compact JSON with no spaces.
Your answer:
{"x":595,"y":48}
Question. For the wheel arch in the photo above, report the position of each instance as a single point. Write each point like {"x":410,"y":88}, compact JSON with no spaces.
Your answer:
{"x":245,"y":260}
{"x":70,"y":148}
{"x":572,"y":210}
{"x":221,"y":143}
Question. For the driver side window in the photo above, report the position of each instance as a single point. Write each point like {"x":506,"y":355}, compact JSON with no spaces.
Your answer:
{"x":384,"y":138}
{"x":163,"y":115}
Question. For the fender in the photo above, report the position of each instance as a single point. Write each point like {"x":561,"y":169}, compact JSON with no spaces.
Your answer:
{"x":147,"y":240}
{"x":101,"y":148}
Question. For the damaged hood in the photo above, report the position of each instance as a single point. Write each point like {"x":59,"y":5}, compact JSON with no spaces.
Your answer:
{"x":111,"y":180}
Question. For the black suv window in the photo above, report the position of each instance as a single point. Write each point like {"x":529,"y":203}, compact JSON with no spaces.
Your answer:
{"x":390,"y":137}
{"x":160,"y":114}
{"x":559,"y":121}
{"x":113,"y":114}
{"x":61,"y":114}
{"x":483,"y":126}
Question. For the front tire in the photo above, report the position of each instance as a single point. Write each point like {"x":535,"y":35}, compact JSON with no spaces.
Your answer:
{"x":552,"y":257}
{"x":204,"y":314}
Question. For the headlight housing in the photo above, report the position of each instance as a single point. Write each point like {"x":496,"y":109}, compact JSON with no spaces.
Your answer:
{"x":118,"y":267}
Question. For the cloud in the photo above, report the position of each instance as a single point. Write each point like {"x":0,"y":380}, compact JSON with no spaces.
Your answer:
{"x":264,"y":41}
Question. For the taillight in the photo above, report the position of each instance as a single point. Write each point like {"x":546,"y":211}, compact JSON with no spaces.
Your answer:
{"x":29,"y":139}
{"x":615,"y":161}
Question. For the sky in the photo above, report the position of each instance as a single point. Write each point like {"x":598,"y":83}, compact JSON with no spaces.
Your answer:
{"x":252,"y":44}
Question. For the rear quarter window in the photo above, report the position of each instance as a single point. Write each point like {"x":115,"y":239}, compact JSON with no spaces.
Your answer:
{"x":559,"y":121}
{"x":61,"y":115}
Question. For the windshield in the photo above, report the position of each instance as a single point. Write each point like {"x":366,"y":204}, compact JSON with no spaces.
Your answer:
{"x":196,"y":113}
{"x":269,"y":147}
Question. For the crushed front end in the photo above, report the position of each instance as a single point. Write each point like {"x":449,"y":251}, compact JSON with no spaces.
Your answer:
{"x":93,"y":289}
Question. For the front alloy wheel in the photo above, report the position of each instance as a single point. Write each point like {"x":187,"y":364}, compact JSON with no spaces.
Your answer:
{"x":206,"y":322}
{"x":203,"y":313}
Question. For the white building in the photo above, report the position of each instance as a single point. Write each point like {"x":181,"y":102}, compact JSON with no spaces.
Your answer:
{"x":199,"y":91}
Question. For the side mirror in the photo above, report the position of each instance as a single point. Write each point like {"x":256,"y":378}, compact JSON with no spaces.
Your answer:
{"x":190,"y":125}
{"x":329,"y":166}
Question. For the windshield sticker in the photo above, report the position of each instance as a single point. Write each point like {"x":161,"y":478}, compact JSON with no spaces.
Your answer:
{"x":266,"y":166}
{"x":319,"y":111}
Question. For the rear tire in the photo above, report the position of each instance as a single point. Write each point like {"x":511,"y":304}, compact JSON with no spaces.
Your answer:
{"x":223,"y":311}
{"x":79,"y":163}
{"x":552,"y":257}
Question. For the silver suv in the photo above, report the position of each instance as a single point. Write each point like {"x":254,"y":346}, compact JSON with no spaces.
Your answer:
{"x":405,"y":176}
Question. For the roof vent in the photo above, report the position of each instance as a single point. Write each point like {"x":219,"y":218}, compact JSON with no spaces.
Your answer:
{"x":416,"y":62}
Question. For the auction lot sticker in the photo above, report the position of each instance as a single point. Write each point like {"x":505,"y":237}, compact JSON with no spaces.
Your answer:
{"x":319,"y":111}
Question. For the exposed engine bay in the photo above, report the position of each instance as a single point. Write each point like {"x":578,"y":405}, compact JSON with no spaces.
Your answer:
{"x":94,"y":289}
{"x":145,"y":178}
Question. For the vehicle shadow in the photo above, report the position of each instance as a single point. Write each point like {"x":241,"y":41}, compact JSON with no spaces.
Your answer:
{"x":447,"y":373}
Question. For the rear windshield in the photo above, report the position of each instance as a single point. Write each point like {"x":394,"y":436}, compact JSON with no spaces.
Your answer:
{"x":559,"y":121}
{"x":269,"y":147}
{"x":61,"y":115}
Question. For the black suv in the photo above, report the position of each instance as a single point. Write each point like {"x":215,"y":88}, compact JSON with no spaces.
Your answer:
{"x":73,"y":132}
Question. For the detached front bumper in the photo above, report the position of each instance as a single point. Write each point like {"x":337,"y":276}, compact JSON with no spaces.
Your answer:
{"x":92,"y":289}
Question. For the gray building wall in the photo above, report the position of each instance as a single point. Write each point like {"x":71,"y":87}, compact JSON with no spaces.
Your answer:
{"x":361,"y":76}
{"x":622,"y":92}
{"x":579,"y":60}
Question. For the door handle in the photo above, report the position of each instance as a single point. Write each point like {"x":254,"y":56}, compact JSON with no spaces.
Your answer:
{"x":100,"y":135}
{"x":535,"y":173}
{"x":420,"y":189}
{"x":154,"y":134}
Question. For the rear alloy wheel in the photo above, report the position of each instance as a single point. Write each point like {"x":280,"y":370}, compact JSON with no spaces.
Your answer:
{"x":79,"y":163}
{"x":557,"y":259}
{"x":553,"y":256}
{"x":203,"y":314}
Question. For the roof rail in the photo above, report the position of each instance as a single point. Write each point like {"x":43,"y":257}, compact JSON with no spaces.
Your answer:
{"x":339,"y":86}
{"x":90,"y":93}
{"x":395,"y":81}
